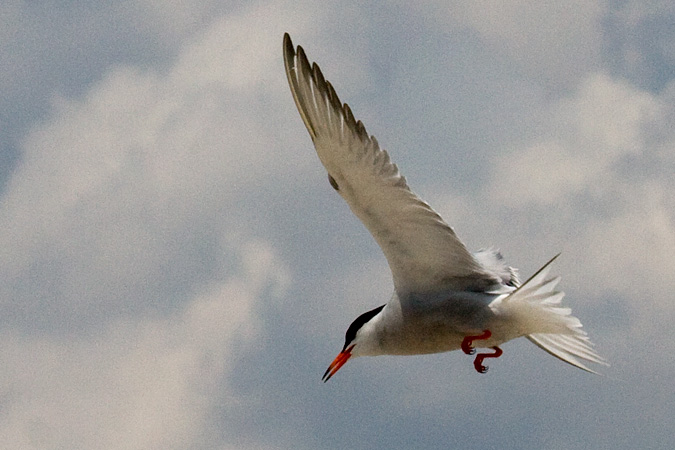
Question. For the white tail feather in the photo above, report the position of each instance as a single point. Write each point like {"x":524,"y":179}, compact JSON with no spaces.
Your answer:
{"x":568,"y":349}
{"x":551,"y":327}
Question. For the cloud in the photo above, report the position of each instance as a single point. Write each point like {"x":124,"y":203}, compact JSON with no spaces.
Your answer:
{"x":177,"y":272}
{"x":137,"y":384}
{"x":132,"y":280}
{"x":119,"y":194}
{"x":589,"y":135}
{"x":553,"y":43}
{"x":640,"y":42}
{"x":588,"y":173}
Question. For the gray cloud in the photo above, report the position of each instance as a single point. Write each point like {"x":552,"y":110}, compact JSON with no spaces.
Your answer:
{"x":639,"y":42}
{"x":177,"y":272}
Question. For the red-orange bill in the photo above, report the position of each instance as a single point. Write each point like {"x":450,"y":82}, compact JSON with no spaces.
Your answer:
{"x":338,"y":362}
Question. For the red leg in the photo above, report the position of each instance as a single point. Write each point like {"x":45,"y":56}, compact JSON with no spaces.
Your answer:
{"x":478,"y":362}
{"x":468,"y":340}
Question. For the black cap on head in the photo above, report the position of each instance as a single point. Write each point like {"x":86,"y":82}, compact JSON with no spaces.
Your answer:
{"x":358,"y":323}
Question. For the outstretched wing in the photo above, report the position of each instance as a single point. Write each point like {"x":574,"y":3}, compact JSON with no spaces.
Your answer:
{"x":422,"y":250}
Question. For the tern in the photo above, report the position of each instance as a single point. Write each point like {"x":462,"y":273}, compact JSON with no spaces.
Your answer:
{"x":445,"y":297}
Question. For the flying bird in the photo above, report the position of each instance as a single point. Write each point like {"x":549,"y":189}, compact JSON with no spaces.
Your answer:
{"x":445,"y":297}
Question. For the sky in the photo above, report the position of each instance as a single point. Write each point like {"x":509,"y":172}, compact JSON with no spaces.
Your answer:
{"x":177,"y":272}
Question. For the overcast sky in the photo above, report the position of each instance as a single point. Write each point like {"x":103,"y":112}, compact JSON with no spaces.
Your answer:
{"x":177,"y":273}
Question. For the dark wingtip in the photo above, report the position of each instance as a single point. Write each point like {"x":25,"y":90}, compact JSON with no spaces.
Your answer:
{"x":288,"y":43}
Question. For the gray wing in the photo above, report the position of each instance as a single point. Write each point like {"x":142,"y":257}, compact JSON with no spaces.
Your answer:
{"x":422,"y":250}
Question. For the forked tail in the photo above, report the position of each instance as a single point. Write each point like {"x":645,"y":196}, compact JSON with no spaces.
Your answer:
{"x":552,"y":327}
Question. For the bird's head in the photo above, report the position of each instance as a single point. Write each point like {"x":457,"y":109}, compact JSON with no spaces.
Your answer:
{"x":358,"y":340}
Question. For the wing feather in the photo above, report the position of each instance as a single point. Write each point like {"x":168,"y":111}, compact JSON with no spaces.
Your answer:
{"x":422,"y":250}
